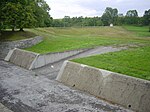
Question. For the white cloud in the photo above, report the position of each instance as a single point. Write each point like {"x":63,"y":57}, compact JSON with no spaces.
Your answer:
{"x":72,"y":8}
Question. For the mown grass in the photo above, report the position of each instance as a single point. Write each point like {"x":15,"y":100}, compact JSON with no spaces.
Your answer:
{"x":62,"y":39}
{"x":142,"y":31}
{"x":132,"y":62}
{"x":16,"y":35}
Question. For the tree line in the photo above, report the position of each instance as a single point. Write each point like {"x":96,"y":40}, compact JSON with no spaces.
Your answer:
{"x":19,"y":14}
{"x":24,"y":14}
{"x":110,"y":16}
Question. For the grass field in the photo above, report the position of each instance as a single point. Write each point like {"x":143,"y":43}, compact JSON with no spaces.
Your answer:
{"x":62,"y":39}
{"x":132,"y":62}
{"x":17,"y":35}
{"x":138,"y":31}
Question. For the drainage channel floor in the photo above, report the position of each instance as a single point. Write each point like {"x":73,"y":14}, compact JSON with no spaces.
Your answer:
{"x":26,"y":91}
{"x":51,"y":70}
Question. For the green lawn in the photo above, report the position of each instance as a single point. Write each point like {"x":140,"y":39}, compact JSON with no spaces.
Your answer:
{"x":16,"y":35}
{"x":62,"y":39}
{"x":132,"y":62}
{"x":139,"y":31}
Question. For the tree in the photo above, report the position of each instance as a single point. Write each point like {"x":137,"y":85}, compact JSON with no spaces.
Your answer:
{"x":24,"y":13}
{"x":132,"y":13}
{"x":42,"y":13}
{"x":132,"y":17}
{"x":2,"y":2}
{"x":10,"y":14}
{"x":18,"y":14}
{"x":146,"y":20}
{"x":67,"y":21}
{"x":109,"y":16}
{"x":57,"y":23}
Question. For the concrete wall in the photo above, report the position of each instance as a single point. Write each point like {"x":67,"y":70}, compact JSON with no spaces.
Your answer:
{"x":6,"y":46}
{"x":21,"y":58}
{"x":127,"y":91}
{"x":30,"y":60}
{"x":44,"y":59}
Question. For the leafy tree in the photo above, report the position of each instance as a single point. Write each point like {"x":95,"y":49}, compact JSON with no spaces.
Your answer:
{"x":10,"y":14}
{"x":110,"y":16}
{"x":120,"y":20}
{"x":132,"y":13}
{"x":146,"y":17}
{"x":67,"y":21}
{"x":2,"y":4}
{"x":24,"y":13}
{"x":18,"y":14}
{"x":57,"y":23}
{"x":132,"y":17}
{"x":42,"y":13}
{"x":1,"y":19}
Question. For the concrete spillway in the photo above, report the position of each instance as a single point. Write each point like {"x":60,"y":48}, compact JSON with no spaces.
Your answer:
{"x":127,"y":91}
{"x":22,"y":58}
{"x":31,"y":60}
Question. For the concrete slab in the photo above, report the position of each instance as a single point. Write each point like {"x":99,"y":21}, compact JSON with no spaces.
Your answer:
{"x":21,"y":58}
{"x":9,"y":55}
{"x":26,"y":91}
{"x":132,"y":93}
{"x":4,"y":109}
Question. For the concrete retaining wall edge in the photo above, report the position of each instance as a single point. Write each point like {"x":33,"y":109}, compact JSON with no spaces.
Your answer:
{"x":5,"y":47}
{"x":130,"y":92}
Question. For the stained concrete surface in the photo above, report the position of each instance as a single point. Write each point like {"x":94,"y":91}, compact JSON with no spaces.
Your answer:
{"x":26,"y":91}
{"x":21,"y":58}
{"x":37,"y":91}
{"x":4,"y":109}
{"x":125,"y":90}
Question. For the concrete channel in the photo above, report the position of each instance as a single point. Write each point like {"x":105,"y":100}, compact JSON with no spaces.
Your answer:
{"x":121,"y":89}
{"x":22,"y":90}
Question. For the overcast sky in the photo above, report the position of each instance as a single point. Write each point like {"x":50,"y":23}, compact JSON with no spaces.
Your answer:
{"x":90,"y":8}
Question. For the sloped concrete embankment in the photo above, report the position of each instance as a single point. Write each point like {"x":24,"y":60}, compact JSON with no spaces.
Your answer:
{"x":31,"y":60}
{"x":22,"y":58}
{"x":44,"y":59}
{"x":6,"y":46}
{"x":127,"y":91}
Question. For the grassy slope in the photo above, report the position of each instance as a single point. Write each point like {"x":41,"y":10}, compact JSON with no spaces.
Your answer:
{"x":61,"y":39}
{"x":139,"y":31}
{"x":11,"y":36}
{"x":132,"y":62}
